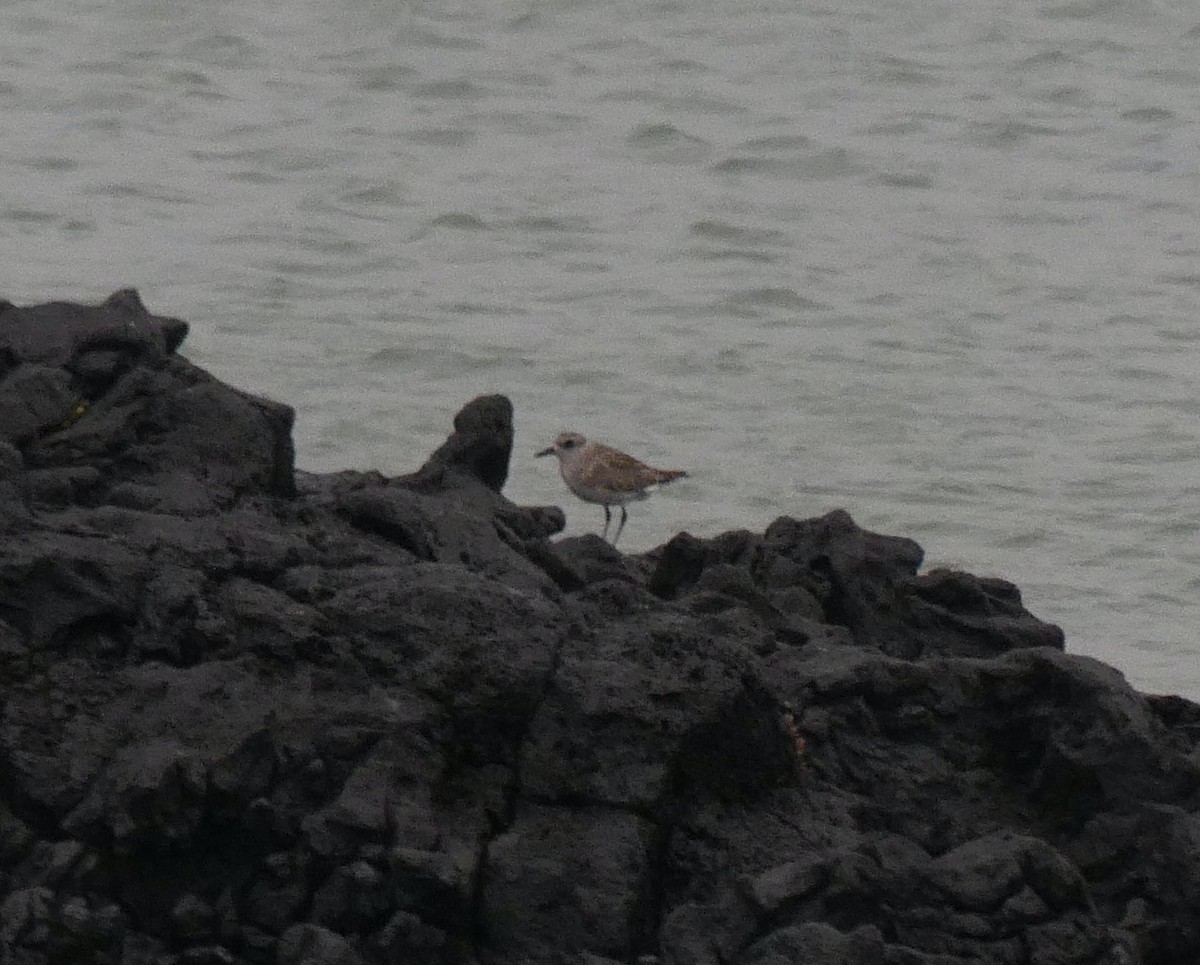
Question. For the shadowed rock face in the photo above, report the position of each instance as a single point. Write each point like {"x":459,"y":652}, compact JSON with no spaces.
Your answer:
{"x":253,"y":715}
{"x":95,"y":408}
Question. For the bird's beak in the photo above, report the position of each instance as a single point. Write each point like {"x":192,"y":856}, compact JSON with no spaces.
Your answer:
{"x":548,"y":451}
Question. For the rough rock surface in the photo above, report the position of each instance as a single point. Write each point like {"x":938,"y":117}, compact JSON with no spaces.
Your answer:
{"x":254,"y":715}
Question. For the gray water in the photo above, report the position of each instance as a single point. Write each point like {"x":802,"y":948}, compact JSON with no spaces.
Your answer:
{"x":933,"y":261}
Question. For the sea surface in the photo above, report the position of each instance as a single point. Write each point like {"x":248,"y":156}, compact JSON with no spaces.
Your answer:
{"x":933,"y":261}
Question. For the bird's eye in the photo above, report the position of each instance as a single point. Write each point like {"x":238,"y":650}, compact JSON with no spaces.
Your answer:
{"x":568,"y":444}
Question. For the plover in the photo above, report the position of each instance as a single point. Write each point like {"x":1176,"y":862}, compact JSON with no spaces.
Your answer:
{"x":597,"y":473}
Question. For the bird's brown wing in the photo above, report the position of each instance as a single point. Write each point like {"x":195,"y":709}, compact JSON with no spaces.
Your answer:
{"x":612,"y":469}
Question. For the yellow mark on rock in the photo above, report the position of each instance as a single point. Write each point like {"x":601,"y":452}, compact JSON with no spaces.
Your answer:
{"x":76,"y":414}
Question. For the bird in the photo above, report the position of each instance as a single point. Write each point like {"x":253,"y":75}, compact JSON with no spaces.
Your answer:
{"x":597,"y":473}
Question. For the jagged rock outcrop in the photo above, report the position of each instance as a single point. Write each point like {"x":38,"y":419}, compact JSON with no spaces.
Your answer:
{"x":250,"y":714}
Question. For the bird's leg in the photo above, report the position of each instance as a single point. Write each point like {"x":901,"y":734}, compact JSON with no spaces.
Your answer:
{"x":620,"y":525}
{"x":607,"y":520}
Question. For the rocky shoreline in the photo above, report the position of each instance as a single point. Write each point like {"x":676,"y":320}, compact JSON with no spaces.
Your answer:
{"x":251,"y":714}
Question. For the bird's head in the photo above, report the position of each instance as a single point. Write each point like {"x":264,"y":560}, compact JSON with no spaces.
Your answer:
{"x":566,"y":443}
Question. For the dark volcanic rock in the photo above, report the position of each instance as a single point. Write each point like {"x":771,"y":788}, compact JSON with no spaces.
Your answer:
{"x":478,"y":448}
{"x":101,"y":410}
{"x":256,"y":716}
